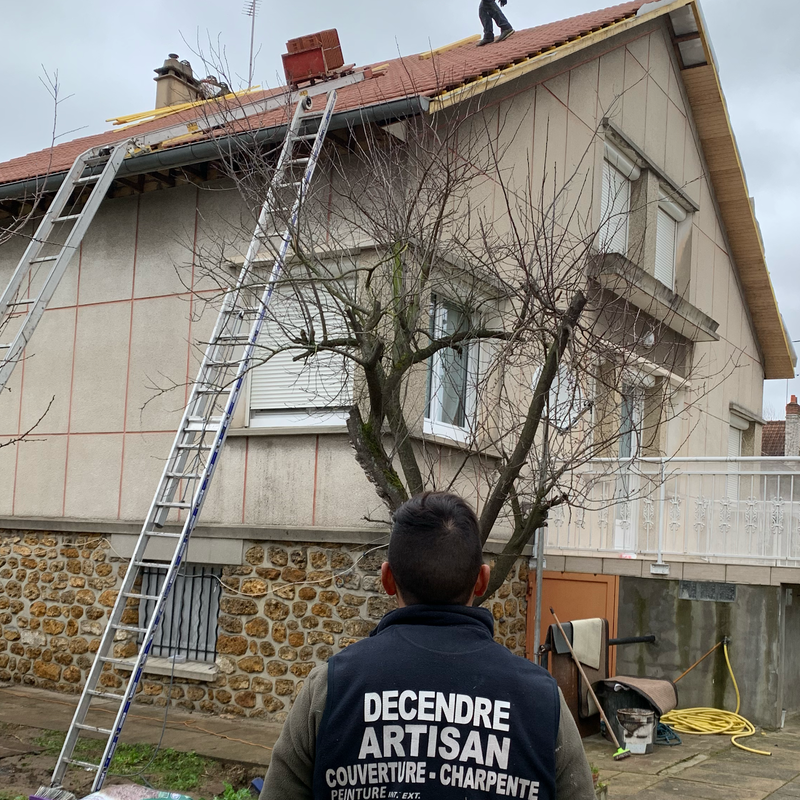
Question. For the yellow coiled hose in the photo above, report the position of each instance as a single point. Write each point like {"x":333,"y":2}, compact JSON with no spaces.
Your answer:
{"x":713,"y":720}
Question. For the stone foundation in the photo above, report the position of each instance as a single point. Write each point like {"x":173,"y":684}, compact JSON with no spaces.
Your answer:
{"x":288,"y":608}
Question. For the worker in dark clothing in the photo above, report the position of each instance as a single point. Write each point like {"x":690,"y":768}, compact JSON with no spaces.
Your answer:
{"x":489,"y":13}
{"x":430,"y":706}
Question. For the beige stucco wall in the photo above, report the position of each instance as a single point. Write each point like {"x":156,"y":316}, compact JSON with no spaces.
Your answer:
{"x":125,"y":320}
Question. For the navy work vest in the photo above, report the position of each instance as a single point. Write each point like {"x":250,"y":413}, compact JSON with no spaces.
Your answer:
{"x":430,"y":707}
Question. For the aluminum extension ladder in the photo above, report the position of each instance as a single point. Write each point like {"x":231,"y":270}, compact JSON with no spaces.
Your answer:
{"x":196,"y":450}
{"x":45,"y":260}
{"x":32,"y":286}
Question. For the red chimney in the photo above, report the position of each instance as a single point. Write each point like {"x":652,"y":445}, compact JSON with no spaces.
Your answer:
{"x":792,"y":406}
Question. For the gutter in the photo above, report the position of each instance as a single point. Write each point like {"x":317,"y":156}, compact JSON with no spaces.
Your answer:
{"x":185,"y":155}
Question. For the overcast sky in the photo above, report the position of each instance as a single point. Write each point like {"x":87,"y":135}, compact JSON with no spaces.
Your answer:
{"x":105,"y":52}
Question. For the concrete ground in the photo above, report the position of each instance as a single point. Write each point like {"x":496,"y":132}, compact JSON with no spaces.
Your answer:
{"x":228,"y":739}
{"x":705,"y":768}
{"x":702,"y":768}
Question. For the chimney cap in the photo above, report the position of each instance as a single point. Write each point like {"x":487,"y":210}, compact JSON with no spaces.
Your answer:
{"x":173,"y":55}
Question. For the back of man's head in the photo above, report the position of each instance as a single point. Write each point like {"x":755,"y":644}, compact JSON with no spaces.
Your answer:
{"x":435,"y":550}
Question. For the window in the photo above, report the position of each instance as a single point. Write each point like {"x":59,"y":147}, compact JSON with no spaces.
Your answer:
{"x":285,"y":391}
{"x":451,"y":376}
{"x":631,"y":415}
{"x":735,"y":434}
{"x":631,"y":412}
{"x":669,"y":215}
{"x":188,"y":628}
{"x":615,"y":201}
{"x":614,"y":210}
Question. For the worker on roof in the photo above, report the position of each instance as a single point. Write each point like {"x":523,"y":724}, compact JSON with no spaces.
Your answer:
{"x":429,"y":706}
{"x":489,"y":12}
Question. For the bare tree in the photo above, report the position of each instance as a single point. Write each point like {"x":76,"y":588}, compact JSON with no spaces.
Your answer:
{"x":454,"y":305}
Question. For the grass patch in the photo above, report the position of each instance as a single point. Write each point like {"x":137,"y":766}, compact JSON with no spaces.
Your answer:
{"x":9,"y":796}
{"x":170,"y":770}
{"x":231,"y":794}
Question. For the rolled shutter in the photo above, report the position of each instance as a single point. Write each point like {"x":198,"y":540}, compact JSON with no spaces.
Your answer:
{"x":281,"y":383}
{"x":614,"y":210}
{"x":666,"y":231}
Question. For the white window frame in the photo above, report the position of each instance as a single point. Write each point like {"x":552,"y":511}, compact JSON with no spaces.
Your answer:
{"x":432,"y":423}
{"x":669,"y":216}
{"x":307,"y":412}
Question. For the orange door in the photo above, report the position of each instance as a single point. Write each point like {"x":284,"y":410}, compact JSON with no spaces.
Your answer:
{"x":574,"y":595}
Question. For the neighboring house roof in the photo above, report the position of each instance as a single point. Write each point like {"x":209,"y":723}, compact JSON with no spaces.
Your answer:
{"x":454,"y":73}
{"x":773,"y":438}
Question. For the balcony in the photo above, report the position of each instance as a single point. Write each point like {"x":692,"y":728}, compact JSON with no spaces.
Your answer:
{"x":715,"y":510}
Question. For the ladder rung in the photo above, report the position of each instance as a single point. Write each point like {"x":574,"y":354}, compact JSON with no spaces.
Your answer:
{"x":87,"y":179}
{"x":195,"y":446}
{"x":138,"y":596}
{"x":110,"y":660}
{"x":26,"y":302}
{"x":300,"y":161}
{"x":306,"y":137}
{"x":5,"y":346}
{"x":93,"y":729}
{"x":162,"y":535}
{"x":68,"y":218}
{"x":129,"y":628}
{"x":189,"y":476}
{"x":242,"y":337}
{"x":106,"y":695}
{"x":150,"y":565}
{"x":84,"y":764}
{"x":174,"y":505}
{"x":288,"y":184}
{"x":42,"y":259}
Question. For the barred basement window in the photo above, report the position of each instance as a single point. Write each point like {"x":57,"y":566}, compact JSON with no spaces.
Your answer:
{"x":188,"y":628}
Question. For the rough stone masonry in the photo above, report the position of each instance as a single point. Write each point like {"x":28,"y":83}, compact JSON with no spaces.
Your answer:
{"x":287,"y":608}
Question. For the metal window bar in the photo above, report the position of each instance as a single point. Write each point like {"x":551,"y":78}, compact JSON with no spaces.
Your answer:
{"x":189,"y":624}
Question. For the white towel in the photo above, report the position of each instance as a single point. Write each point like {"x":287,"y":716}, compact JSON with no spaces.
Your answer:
{"x":587,"y":641}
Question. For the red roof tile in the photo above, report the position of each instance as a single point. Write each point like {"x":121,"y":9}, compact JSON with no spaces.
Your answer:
{"x":404,"y":77}
{"x":773,"y":441}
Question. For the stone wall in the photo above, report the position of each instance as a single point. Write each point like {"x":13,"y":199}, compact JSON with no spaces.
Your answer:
{"x":289,"y":607}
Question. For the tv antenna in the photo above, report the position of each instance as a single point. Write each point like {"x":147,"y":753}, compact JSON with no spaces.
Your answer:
{"x":250,"y":10}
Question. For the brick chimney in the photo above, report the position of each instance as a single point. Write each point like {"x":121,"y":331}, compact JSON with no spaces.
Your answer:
{"x":175,"y":83}
{"x":792,"y":428}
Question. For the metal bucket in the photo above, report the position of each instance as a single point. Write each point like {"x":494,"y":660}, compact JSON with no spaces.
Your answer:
{"x":639,"y":726}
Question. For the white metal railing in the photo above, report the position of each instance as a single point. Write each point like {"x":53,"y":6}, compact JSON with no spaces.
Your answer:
{"x":744,"y":509}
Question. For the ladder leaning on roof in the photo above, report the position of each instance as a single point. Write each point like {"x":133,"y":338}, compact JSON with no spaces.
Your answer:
{"x":42,"y":266}
{"x":52,"y":247}
{"x":196,"y":450}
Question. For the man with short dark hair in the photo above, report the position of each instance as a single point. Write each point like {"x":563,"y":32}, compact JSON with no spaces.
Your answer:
{"x":430,"y":706}
{"x":489,"y":13}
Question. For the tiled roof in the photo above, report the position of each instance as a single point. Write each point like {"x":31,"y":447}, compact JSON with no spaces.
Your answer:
{"x":403,"y":77}
{"x":773,"y":441}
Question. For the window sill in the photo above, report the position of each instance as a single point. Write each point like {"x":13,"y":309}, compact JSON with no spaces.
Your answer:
{"x":203,"y":671}
{"x":289,"y":430}
{"x":622,"y":277}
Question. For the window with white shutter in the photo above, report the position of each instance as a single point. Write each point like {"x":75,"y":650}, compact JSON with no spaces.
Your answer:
{"x":666,"y":234}
{"x":737,"y":426}
{"x":614,"y":210}
{"x":285,"y":391}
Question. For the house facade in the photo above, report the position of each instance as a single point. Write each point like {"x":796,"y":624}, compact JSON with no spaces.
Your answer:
{"x":283,"y":569}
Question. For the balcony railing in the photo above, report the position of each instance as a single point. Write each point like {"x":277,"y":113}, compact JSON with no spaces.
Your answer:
{"x":726,"y":510}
